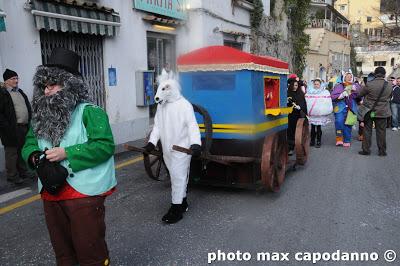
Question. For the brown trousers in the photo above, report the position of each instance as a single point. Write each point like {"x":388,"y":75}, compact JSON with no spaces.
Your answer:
{"x":380,"y":128}
{"x":77,"y":231}
{"x":15,"y":165}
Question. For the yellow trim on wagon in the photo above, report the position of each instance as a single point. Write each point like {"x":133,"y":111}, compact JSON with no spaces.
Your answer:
{"x":246,"y":128}
{"x":279,"y":111}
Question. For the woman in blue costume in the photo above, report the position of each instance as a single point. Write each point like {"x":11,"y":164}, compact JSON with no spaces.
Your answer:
{"x":344,"y":99}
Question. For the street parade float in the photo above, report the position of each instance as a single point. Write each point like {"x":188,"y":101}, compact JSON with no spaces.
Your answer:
{"x":240,"y":101}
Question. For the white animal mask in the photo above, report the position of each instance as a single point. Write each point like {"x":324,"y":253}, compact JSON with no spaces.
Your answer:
{"x":168,"y":91}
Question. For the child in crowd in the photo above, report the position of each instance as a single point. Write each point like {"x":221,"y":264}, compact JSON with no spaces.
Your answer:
{"x":319,"y":106}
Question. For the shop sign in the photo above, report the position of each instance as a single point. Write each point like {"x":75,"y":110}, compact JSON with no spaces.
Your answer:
{"x":170,"y":8}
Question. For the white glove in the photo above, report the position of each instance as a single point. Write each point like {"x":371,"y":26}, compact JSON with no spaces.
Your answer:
{"x":297,"y":107}
{"x":343,"y":94}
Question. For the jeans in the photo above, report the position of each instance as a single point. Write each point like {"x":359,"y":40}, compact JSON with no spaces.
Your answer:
{"x":343,"y":132}
{"x":395,"y":114}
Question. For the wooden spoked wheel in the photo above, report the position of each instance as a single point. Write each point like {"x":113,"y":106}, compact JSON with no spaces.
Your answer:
{"x":273,"y":160}
{"x":302,"y":141}
{"x":155,"y":166}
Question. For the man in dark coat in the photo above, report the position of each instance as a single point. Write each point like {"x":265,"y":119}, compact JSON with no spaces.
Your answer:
{"x":15,"y":114}
{"x":380,"y":114}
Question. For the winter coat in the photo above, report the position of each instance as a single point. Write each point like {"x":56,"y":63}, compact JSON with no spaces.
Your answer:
{"x":371,"y":92}
{"x":297,"y":97}
{"x":8,"y":119}
{"x":396,"y":95}
{"x":340,"y":104}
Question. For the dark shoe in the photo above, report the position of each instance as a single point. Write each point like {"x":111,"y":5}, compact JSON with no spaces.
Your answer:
{"x":174,"y":214}
{"x":185,"y":205}
{"x":382,"y":153}
{"x":290,"y":153}
{"x":16,"y":180}
{"x":364,"y":153}
{"x":318,"y":145}
{"x":312,"y":143}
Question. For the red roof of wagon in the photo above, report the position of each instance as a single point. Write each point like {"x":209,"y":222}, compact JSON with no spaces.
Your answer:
{"x":228,"y":59}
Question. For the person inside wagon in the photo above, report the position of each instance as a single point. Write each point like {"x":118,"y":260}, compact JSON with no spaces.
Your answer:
{"x":319,"y":106}
{"x":295,"y":99}
{"x":344,"y":96}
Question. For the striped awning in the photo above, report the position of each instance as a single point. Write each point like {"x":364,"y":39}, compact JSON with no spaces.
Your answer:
{"x":2,"y":22}
{"x":75,"y":16}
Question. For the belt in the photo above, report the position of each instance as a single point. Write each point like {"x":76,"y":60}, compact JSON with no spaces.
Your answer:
{"x":21,"y":125}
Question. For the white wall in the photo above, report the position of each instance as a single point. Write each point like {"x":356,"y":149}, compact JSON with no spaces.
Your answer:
{"x":127,"y":52}
{"x":19,"y":48}
{"x":20,"y":44}
{"x":203,"y":29}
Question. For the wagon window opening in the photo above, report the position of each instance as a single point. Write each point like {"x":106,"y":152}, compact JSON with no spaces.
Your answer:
{"x":217,"y":82}
{"x":271,"y":92}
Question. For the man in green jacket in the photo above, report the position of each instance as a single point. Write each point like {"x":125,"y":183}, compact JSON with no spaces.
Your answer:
{"x":73,"y":136}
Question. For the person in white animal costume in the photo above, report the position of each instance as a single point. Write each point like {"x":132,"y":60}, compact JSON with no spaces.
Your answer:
{"x":175,"y":124}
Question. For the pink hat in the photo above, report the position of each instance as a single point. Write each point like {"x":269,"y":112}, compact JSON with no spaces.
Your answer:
{"x":293,"y":76}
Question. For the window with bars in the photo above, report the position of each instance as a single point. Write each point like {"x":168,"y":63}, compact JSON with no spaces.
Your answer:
{"x":379,"y":63}
{"x":90,"y":50}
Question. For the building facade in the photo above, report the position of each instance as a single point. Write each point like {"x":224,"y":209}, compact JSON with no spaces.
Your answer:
{"x":370,"y":57}
{"x":123,"y":44}
{"x":329,"y":50}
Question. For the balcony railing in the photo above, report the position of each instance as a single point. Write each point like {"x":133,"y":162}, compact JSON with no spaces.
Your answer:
{"x":375,"y":38}
{"x":322,"y":1}
{"x":321,"y":23}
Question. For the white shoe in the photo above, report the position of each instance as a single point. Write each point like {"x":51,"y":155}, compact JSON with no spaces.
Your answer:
{"x":394,"y":129}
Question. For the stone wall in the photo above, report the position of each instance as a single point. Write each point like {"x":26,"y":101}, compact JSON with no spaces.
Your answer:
{"x":273,"y":38}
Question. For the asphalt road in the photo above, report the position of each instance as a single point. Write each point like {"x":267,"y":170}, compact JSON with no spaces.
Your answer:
{"x":338,"y":201}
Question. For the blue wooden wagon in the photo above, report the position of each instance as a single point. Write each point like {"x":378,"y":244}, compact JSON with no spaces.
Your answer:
{"x":240,"y":102}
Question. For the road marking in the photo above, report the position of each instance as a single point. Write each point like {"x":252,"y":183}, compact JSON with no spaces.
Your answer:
{"x":133,"y":161}
{"x":14,"y":194}
{"x":19,"y":204}
{"x":37,"y":197}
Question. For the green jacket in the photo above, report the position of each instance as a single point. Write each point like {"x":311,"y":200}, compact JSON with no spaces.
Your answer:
{"x":91,"y":154}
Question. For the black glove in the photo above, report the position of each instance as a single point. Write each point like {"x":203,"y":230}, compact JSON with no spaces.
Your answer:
{"x":34,"y":158}
{"x":52,"y":175}
{"x":196,"y":150}
{"x":149,"y":147}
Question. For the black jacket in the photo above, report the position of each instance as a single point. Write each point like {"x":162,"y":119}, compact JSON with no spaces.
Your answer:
{"x":8,"y":119}
{"x":396,"y":95}
{"x":297,"y":97}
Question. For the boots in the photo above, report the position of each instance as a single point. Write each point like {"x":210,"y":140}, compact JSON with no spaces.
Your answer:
{"x":175,"y":212}
{"x":185,"y":206}
{"x":319,"y":136}
{"x":312,"y":141}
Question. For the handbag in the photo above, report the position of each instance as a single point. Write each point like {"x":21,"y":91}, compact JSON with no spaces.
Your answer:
{"x":351,"y":118}
{"x":363,"y":110}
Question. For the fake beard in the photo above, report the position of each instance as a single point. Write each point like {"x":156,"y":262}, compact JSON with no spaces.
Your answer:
{"x":51,"y":115}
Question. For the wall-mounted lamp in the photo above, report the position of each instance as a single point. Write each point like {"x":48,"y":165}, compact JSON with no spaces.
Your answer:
{"x":216,"y":30}
{"x":162,"y":27}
